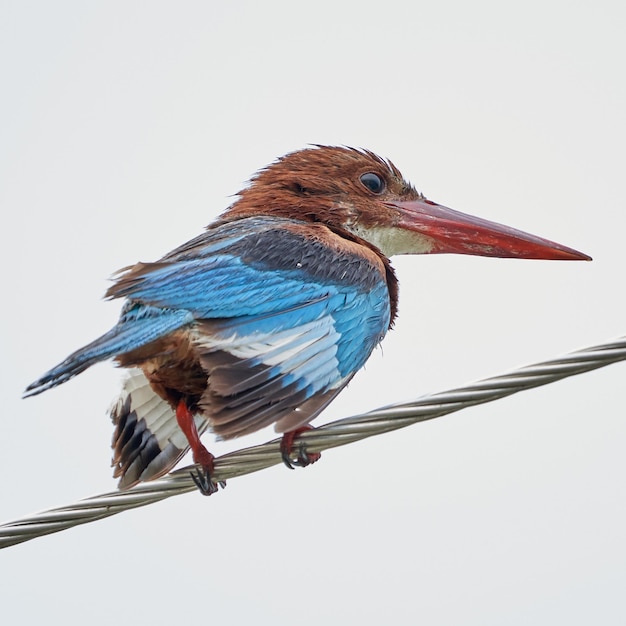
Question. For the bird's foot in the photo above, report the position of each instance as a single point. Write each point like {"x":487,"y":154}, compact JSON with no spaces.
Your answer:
{"x":203,"y":477}
{"x":201,"y":456}
{"x":303,"y":457}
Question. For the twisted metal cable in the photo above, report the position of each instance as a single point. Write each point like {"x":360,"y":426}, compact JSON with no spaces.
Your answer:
{"x":338,"y":433}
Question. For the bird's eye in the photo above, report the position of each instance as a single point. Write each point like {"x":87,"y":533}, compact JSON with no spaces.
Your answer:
{"x":373,"y":182}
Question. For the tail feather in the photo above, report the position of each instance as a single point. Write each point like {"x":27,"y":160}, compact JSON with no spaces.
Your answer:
{"x":147,"y":441}
{"x":138,"y":326}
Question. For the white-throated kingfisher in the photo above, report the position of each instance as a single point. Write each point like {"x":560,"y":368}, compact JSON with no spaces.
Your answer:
{"x":266,"y":316}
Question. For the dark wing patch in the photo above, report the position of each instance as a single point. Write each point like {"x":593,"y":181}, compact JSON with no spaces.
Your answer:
{"x":147,"y":441}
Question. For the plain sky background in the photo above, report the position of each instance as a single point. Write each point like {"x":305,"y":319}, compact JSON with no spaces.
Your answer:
{"x":127,"y":126}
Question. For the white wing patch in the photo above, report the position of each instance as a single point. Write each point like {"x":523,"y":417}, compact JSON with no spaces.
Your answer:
{"x":275,"y":348}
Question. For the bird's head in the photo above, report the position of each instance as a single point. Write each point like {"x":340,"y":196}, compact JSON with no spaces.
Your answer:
{"x":358,"y":192}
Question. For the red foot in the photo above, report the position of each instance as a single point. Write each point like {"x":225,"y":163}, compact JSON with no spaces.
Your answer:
{"x":304,"y":458}
{"x":201,"y":456}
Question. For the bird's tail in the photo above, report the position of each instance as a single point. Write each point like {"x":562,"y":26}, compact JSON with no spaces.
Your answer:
{"x":147,"y":441}
{"x":139,"y":325}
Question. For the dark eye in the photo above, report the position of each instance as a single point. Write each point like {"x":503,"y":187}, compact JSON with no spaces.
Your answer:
{"x":373,"y":182}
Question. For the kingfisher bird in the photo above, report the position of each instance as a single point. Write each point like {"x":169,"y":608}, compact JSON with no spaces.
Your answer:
{"x":268,"y":314}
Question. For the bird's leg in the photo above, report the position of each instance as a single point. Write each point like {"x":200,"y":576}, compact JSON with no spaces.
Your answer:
{"x":304,"y":458}
{"x":201,"y":456}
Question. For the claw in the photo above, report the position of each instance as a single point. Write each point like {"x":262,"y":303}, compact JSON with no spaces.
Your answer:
{"x":303,"y":457}
{"x":203,"y":477}
{"x":204,"y":482}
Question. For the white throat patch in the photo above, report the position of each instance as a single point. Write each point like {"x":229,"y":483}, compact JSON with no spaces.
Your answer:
{"x":391,"y":240}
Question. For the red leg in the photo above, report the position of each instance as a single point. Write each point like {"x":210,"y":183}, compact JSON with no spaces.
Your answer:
{"x":304,"y":458}
{"x":201,"y":456}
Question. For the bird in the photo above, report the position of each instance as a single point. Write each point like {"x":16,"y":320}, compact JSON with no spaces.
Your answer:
{"x":268,"y":314}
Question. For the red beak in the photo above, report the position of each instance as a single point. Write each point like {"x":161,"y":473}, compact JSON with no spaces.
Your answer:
{"x":453,"y":231}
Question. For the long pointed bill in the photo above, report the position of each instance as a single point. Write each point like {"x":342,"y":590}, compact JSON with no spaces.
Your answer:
{"x":453,"y":231}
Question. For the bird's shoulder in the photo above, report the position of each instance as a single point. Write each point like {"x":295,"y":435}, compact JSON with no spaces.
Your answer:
{"x":256,"y":266}
{"x":277,"y":243}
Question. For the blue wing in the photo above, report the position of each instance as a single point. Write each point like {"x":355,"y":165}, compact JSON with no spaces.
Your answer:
{"x":283,"y":317}
{"x":278,"y":314}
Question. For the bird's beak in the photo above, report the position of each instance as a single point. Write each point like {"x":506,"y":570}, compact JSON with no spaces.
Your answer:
{"x":456,"y":232}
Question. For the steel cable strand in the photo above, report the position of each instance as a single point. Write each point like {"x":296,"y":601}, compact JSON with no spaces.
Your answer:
{"x":338,"y":433}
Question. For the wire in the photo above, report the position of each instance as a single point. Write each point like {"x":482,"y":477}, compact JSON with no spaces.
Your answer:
{"x":338,"y":433}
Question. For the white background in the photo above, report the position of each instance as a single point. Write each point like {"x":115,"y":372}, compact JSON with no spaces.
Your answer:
{"x":127,"y":126}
